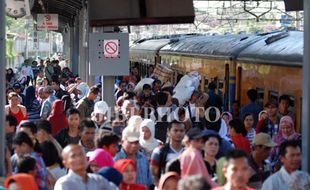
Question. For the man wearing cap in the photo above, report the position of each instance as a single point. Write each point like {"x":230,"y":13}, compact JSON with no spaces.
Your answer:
{"x":46,"y":108}
{"x":259,"y":168}
{"x":18,"y":89}
{"x":99,"y":115}
{"x":130,"y":150}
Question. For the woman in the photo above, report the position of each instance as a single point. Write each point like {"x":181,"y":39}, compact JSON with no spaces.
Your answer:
{"x":147,"y":137}
{"x":248,"y":122}
{"x":21,"y":182}
{"x":286,"y":132}
{"x":15,"y":109}
{"x":58,"y":118}
{"x":238,"y":134}
{"x":211,"y":148}
{"x":99,"y":159}
{"x":32,"y":104}
{"x":127,"y":167}
{"x":10,"y":77}
{"x":227,"y":117}
{"x":169,"y":181}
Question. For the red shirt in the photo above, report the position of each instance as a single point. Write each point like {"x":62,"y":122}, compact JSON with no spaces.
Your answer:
{"x":242,"y":143}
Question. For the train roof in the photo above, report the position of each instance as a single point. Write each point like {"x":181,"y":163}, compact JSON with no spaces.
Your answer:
{"x":285,"y":48}
{"x":218,"y":46}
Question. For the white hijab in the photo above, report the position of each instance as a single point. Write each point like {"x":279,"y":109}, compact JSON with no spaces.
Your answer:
{"x":151,"y":143}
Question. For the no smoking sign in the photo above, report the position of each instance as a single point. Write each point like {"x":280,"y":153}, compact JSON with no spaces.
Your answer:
{"x":111,"y":48}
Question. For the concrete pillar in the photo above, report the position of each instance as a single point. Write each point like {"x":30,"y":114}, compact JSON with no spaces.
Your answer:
{"x":74,"y":37}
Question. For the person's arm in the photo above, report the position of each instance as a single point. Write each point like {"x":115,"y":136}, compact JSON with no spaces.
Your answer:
{"x":154,"y":165}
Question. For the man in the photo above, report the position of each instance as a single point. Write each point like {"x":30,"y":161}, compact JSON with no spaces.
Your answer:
{"x":162,"y":155}
{"x":87,"y":134}
{"x":10,"y":128}
{"x":283,"y":109}
{"x":130,"y":150}
{"x":44,"y":133}
{"x":18,"y":89}
{"x":86,"y":104}
{"x":59,"y":93}
{"x":46,"y":108}
{"x":259,"y":168}
{"x":70,"y":135}
{"x":290,"y":156}
{"x":252,"y":107}
{"x":77,"y":178}
{"x":236,"y":171}
{"x":214,"y":99}
{"x":99,"y":115}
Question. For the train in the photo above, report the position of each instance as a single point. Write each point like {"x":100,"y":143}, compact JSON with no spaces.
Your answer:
{"x":269,"y":62}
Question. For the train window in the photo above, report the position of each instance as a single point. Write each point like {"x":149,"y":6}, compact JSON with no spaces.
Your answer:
{"x":273,"y":95}
{"x":260,"y":97}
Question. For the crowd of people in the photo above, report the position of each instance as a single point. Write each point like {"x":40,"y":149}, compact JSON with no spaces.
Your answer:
{"x":61,"y":135}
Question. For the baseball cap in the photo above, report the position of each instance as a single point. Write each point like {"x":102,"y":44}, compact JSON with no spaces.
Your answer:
{"x":101,"y":107}
{"x":130,"y":134}
{"x":263,"y":139}
{"x":195,"y":133}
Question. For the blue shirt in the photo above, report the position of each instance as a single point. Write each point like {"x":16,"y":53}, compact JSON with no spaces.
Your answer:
{"x":143,"y":170}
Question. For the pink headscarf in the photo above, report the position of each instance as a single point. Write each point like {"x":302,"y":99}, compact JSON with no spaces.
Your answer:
{"x":102,"y":158}
{"x":280,"y":137}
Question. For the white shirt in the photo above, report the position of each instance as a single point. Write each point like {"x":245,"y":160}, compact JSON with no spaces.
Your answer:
{"x":277,"y":181}
{"x":72,"y":181}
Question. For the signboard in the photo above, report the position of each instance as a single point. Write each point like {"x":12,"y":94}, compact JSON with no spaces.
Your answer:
{"x":109,"y":54}
{"x":47,"y":22}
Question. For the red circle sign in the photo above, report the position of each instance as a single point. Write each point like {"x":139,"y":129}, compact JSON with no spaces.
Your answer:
{"x":111,"y":48}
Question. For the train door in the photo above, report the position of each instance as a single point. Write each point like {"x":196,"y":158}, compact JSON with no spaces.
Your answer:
{"x":226,"y":88}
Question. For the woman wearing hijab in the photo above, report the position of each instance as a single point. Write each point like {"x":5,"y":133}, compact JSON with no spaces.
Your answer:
{"x":21,"y":182}
{"x":99,"y":159}
{"x":286,"y":132}
{"x":147,"y":137}
{"x":58,"y":118}
{"x":32,"y":104}
{"x":127,"y":167}
{"x":169,"y":181}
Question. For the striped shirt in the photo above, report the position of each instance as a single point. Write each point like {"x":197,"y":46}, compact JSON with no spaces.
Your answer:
{"x":251,"y":134}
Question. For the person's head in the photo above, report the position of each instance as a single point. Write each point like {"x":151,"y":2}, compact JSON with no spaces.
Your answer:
{"x":235,"y":105}
{"x":28,"y":127}
{"x":236,"y":127}
{"x":212,"y":143}
{"x":108,"y":141}
{"x":262,"y":115}
{"x":126,"y":167}
{"x":252,"y":95}
{"x":74,"y":158}
{"x":130,"y":140}
{"x":128,"y":108}
{"x":100,"y":111}
{"x":290,"y":155}
{"x":284,"y":103}
{"x":176,"y":131}
{"x":118,"y":124}
{"x":56,"y":84}
{"x":73,"y":117}
{"x":262,"y":144}
{"x":94,"y":91}
{"x":271,"y":107}
{"x":226,"y":116}
{"x":161,"y":98}
{"x":111,"y":174}
{"x":236,"y":169}
{"x":196,"y":138}
{"x":169,"y":181}
{"x":147,"y":89}
{"x":248,"y":121}
{"x":156,"y":86}
{"x":286,"y":126}
{"x":87,"y":132}
{"x":150,"y":70}
{"x":17,"y":87}
{"x":48,"y":91}
{"x":212,"y":86}
{"x":299,"y":180}
{"x":147,"y":129}
{"x":10,"y":124}
{"x":21,"y":181}
{"x":49,"y":153}
{"x":194,"y":96}
{"x":44,"y":130}
{"x":40,"y":73}
{"x":122,"y":86}
{"x":26,"y":164}
{"x":14,"y":99}
{"x":22,"y":143}
{"x":196,"y":182}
